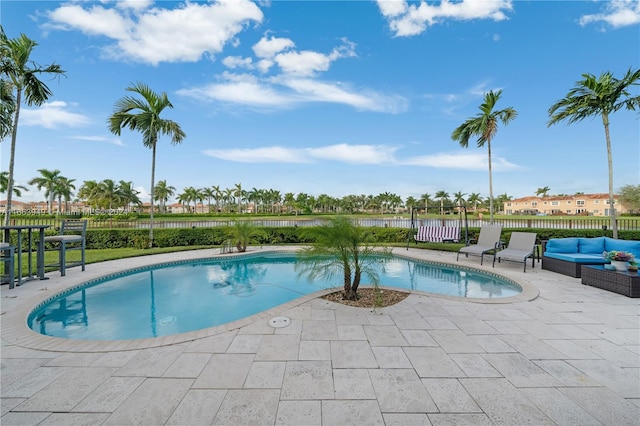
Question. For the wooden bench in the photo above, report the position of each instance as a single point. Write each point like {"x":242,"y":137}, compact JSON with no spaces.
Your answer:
{"x":438,"y":234}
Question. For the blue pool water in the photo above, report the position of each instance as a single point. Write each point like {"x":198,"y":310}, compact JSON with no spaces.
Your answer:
{"x":186,"y":296}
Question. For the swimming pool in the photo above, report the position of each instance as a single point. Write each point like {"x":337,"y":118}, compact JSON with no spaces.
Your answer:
{"x":179,"y":297}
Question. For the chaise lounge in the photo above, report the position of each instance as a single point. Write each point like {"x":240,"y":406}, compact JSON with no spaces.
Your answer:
{"x":488,"y":240}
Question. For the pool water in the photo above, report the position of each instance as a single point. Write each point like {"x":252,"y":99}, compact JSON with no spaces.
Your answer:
{"x":187,"y":296}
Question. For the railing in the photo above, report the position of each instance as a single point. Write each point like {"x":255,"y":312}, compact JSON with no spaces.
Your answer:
{"x":549,"y":223}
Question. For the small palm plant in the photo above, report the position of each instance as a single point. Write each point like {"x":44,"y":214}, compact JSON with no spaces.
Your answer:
{"x":341,"y":248}
{"x":241,"y":232}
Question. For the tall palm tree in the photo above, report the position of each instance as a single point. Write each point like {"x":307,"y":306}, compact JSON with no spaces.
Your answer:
{"x":162,"y":193}
{"x":143,"y":115}
{"x":64,"y":188}
{"x":7,"y":107}
{"x":485,"y":126}
{"x":593,"y":96}
{"x":543,"y":191}
{"x":239,"y":194}
{"x":474,"y":199}
{"x":4,"y":185}
{"x":426,"y":198}
{"x":20,"y":75}
{"x":90,"y":192}
{"x":217,"y":196}
{"x":458,"y":198}
{"x":48,"y":180}
{"x":442,"y":195}
{"x":129,"y":194}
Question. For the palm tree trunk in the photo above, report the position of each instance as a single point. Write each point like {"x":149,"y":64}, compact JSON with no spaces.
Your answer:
{"x":153,"y":176}
{"x":612,"y":208}
{"x":12,"y":158}
{"x":490,"y":183}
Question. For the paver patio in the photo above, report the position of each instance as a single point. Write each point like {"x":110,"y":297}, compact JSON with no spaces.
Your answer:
{"x":564,"y":354}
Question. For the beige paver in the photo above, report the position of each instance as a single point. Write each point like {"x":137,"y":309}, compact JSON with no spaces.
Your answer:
{"x":561,"y":353}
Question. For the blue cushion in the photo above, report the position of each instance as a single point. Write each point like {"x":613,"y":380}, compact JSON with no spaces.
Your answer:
{"x":562,"y":245}
{"x":622,"y":245}
{"x":591,"y":245}
{"x":593,"y":259}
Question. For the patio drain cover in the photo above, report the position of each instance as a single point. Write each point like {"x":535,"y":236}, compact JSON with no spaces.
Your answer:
{"x":279,"y":322}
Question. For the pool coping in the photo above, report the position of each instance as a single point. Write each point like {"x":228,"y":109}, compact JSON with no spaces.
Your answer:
{"x":16,"y":332}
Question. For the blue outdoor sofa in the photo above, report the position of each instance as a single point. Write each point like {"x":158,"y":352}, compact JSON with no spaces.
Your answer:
{"x":567,"y":255}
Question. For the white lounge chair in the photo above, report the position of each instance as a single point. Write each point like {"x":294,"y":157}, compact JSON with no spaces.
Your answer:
{"x":488,"y":240}
{"x":521,"y":246}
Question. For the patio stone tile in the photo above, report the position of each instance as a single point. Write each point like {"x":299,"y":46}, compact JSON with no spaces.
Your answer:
{"x":571,"y":349}
{"x":455,"y":341}
{"x":503,"y":403}
{"x":566,"y":373}
{"x":314,"y":350}
{"x":419,"y":338}
{"x":73,"y":419}
{"x":472,"y":325}
{"x":218,"y":343}
{"x":344,"y":412}
{"x":409,"y":321}
{"x":402,"y":419}
{"x":531,"y":347}
{"x":13,"y":351}
{"x":22,"y":419}
{"x":604,"y":405}
{"x":323,"y":314}
{"x":14,"y":369}
{"x":520,"y":371}
{"x":74,"y":360}
{"x":390,"y":357}
{"x":278,"y":347}
{"x":248,"y":407}
{"x":198,"y":407}
{"x":152,"y":403}
{"x":187,"y":365}
{"x":76,"y":383}
{"x":401,"y":391}
{"x":379,"y":319}
{"x":615,"y":336}
{"x":491,"y":343}
{"x":109,"y":394}
{"x":541,"y":330}
{"x":385,"y":335}
{"x":351,"y":332}
{"x":308,"y":380}
{"x":352,"y":384}
{"x":265,"y":375}
{"x":440,"y":323}
{"x":299,"y":413}
{"x":29,"y":384}
{"x":352,"y":354}
{"x":8,"y":404}
{"x":224,"y":371}
{"x":450,"y":396}
{"x":302,"y":312}
{"x":456,"y":310}
{"x":258,"y":327}
{"x":460,"y":420}
{"x":623,"y":381}
{"x":115,"y":359}
{"x":474,"y":365}
{"x":151,"y":362}
{"x":430,"y":310}
{"x":245,"y":344}
{"x":432,"y":362}
{"x":319,"y":330}
{"x":294,"y":327}
{"x":558,"y":407}
{"x":618,"y":355}
{"x":506,"y":327}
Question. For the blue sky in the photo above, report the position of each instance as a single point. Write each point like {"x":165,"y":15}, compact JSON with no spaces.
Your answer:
{"x":355,"y":97}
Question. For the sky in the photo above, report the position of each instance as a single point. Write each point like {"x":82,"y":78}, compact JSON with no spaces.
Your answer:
{"x":328,"y":97}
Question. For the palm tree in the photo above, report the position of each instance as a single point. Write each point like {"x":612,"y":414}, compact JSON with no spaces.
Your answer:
{"x":162,"y":194}
{"x":474,"y":199}
{"x":593,"y":96}
{"x":442,"y":195}
{"x":426,"y":198}
{"x":7,"y":108}
{"x":129,"y":194}
{"x":341,"y":248}
{"x":485,"y":126}
{"x":217,"y":196}
{"x":143,"y":115}
{"x":64,"y":189}
{"x":241,"y":232}
{"x":543,"y":191}
{"x":48,"y":180}
{"x":458,"y":198}
{"x":4,"y":184}
{"x":90,"y":192}
{"x":19,"y":74}
{"x":239,"y":194}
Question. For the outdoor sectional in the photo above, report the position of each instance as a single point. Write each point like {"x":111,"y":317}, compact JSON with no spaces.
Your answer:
{"x":567,"y":255}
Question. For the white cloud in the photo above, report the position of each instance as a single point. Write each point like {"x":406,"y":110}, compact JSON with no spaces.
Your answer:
{"x":52,"y":115}
{"x":269,"y":47}
{"x":237,"y":62}
{"x":617,"y":13}
{"x":412,"y":19}
{"x":362,"y":155}
{"x":113,"y":141}
{"x":153,"y":34}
